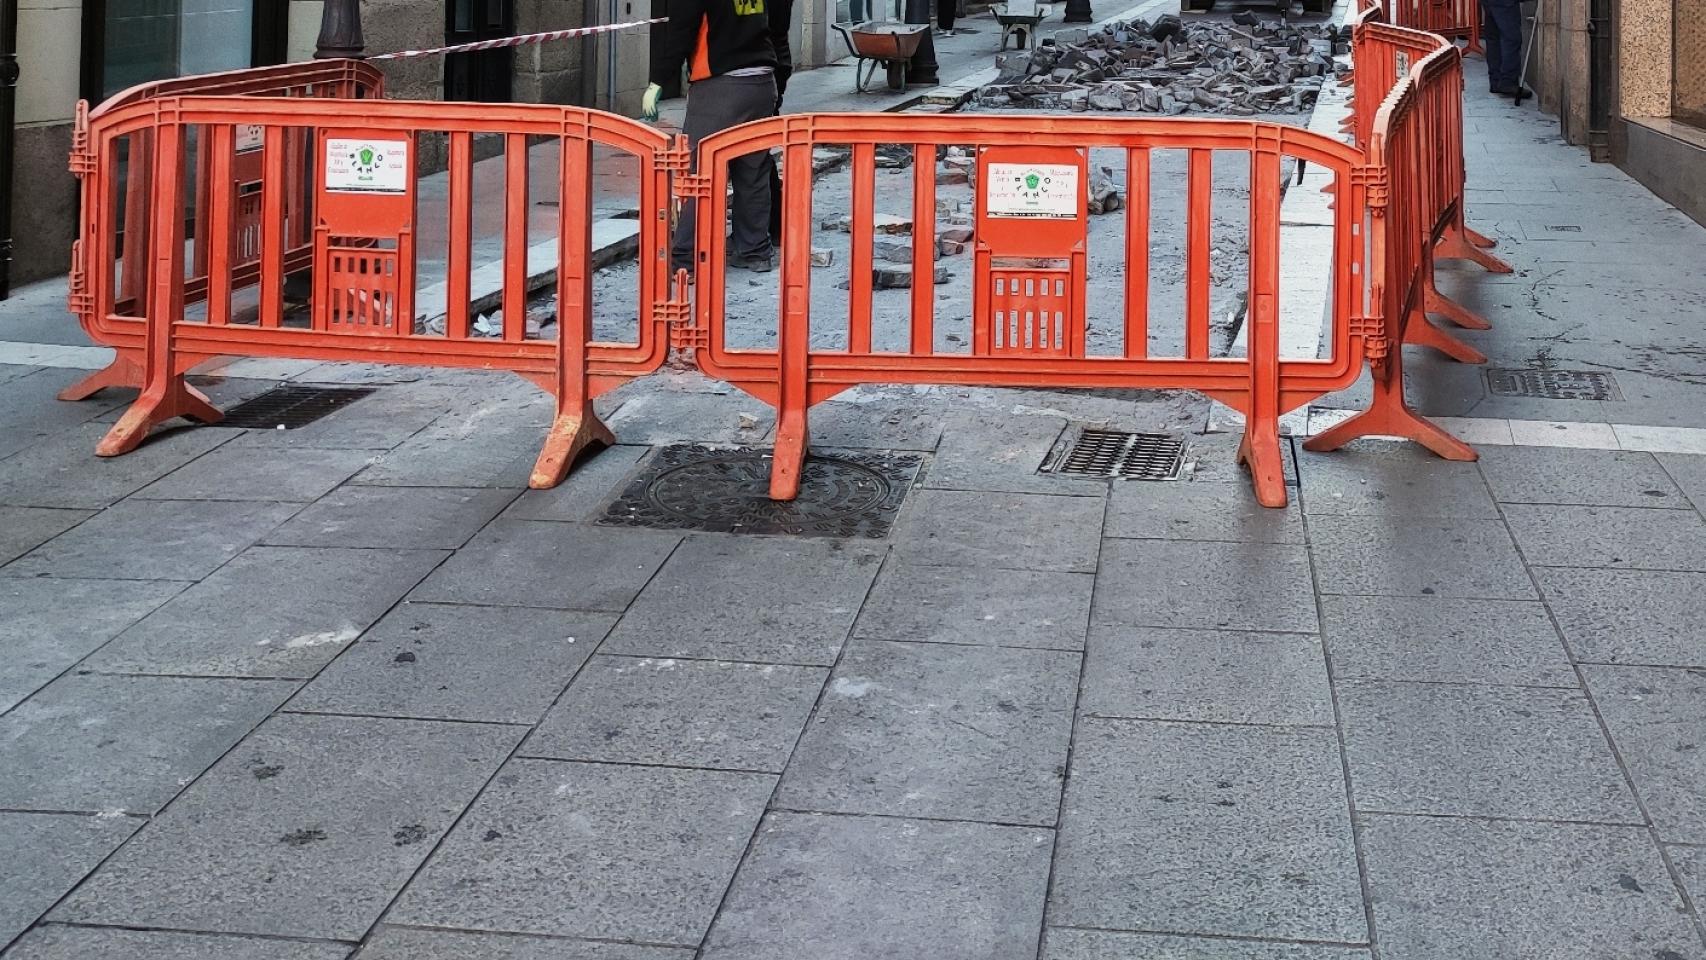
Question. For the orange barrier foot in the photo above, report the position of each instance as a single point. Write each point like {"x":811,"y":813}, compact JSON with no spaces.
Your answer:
{"x":1455,"y":246}
{"x":788,"y":457}
{"x":570,"y":434}
{"x":1422,"y":333}
{"x":1389,"y":415}
{"x":153,"y":408}
{"x":1480,"y":239}
{"x":1260,"y":452}
{"x":1457,"y":313}
{"x":122,"y":372}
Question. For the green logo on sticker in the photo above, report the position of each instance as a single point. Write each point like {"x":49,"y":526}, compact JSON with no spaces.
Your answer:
{"x":1032,"y":181}
{"x":367,"y":156}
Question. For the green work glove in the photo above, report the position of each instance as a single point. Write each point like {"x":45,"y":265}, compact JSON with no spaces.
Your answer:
{"x":649,"y":103}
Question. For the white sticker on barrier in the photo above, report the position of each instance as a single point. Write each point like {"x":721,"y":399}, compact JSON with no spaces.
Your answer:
{"x":367,"y":166}
{"x":1048,"y":191}
{"x":250,"y":137}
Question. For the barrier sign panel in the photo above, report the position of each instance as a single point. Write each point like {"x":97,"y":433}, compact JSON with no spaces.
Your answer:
{"x":1047,"y":191}
{"x":367,"y":166}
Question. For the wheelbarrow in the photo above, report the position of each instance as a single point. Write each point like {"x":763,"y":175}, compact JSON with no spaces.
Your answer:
{"x":881,"y":42}
{"x":1019,"y":19}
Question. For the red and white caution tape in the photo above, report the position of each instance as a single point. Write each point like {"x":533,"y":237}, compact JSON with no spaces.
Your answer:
{"x":522,"y":40}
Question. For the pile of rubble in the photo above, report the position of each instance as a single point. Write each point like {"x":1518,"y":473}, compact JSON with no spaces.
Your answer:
{"x":1243,"y":67}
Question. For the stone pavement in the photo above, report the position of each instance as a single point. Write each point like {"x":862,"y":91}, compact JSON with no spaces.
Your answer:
{"x":351,"y":691}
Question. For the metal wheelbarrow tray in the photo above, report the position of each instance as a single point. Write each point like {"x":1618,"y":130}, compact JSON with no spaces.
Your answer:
{"x":879,"y":41}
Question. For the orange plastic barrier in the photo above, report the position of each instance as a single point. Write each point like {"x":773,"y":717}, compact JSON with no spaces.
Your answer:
{"x":358,"y":219}
{"x":108,"y":235}
{"x":1410,"y":135}
{"x":1452,"y":19}
{"x":1028,"y":316}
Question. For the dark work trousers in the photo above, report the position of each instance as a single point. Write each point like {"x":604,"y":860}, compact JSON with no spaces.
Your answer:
{"x":776,"y":196}
{"x":1501,"y":34}
{"x":717,"y":104}
{"x":945,"y":10}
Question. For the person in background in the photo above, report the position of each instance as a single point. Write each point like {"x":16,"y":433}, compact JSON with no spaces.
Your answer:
{"x":1501,"y":34}
{"x":738,"y":64}
{"x":945,"y":10}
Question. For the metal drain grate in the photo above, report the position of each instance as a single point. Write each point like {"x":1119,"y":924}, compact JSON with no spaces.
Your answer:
{"x":1553,"y":384}
{"x":291,"y":406}
{"x":1117,"y":454}
{"x":691,"y":487}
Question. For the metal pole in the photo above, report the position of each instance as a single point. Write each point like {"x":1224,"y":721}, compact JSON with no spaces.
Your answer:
{"x":8,"y":143}
{"x":340,"y":31}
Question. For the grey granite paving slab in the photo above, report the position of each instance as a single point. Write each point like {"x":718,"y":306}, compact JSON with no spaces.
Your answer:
{"x":1001,"y":453}
{"x":1213,"y":457}
{"x":30,"y":414}
{"x":879,"y":425}
{"x":750,"y":598}
{"x":563,"y":566}
{"x":936,"y":730}
{"x":1443,"y":640}
{"x":48,"y":625}
{"x":446,"y":662}
{"x":442,"y":518}
{"x":80,"y":943}
{"x":592,"y":850}
{"x":63,"y":471}
{"x":1233,"y":586}
{"x":1013,"y":531}
{"x":99,"y":743}
{"x":1622,"y":537}
{"x":1382,"y":478}
{"x":403,"y":943}
{"x":379,"y":421}
{"x":271,"y":612}
{"x":1628,"y":616}
{"x":1691,"y":865}
{"x":256,"y":472}
{"x":581,"y":495}
{"x":1214,"y":676}
{"x":307,"y":829}
{"x":854,"y":888}
{"x":688,"y":713}
{"x":47,"y":854}
{"x":1610,"y":478}
{"x":153,"y":540}
{"x":492,"y":442}
{"x":1011,"y":608}
{"x":672,"y":416}
{"x":1688,"y":471}
{"x":1445,"y":889}
{"x":1406,"y":557}
{"x":1657,"y":718}
{"x":22,"y":529}
{"x":1065,"y":943}
{"x":1201,"y":829}
{"x":1198,"y":511}
{"x":1460,"y":750}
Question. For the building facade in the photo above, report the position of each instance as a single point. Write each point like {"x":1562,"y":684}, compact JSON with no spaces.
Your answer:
{"x":1627,"y":78}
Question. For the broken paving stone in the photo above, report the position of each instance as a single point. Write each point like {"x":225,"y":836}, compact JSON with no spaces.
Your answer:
{"x":950,"y":248}
{"x":956,"y":234}
{"x":900,"y":278}
{"x":895,"y":251}
{"x":885,"y":223}
{"x":822,"y":257}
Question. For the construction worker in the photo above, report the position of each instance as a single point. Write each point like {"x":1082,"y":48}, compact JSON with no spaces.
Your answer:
{"x":739,"y":64}
{"x":1501,"y":34}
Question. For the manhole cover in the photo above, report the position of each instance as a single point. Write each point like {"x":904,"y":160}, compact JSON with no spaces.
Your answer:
{"x":291,"y":406}
{"x":1117,"y":454}
{"x":1553,"y":384}
{"x":691,"y":487}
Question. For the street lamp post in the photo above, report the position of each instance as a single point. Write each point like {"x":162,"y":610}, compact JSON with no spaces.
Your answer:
{"x":340,"y":31}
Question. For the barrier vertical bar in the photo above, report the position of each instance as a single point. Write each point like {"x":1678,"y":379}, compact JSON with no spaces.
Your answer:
{"x":218,"y":240}
{"x":133,"y":269}
{"x":575,"y":425}
{"x":924,"y":248}
{"x":272,"y":228}
{"x":164,"y":394}
{"x":1137,"y":253}
{"x":1260,"y":448}
{"x":458,"y":281}
{"x":515,"y":237}
{"x":1199,"y":217}
{"x":793,"y":341}
{"x":198,"y":263}
{"x":859,"y":262}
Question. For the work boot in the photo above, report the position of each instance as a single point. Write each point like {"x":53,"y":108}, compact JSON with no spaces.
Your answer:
{"x":758,"y":263}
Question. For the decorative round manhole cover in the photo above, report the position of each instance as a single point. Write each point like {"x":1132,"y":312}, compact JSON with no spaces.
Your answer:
{"x":847,"y":495}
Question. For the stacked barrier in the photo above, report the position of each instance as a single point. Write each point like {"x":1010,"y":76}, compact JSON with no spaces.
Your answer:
{"x":1028,"y":319}
{"x":358,"y":218}
{"x":1452,"y":19}
{"x":103,"y":236}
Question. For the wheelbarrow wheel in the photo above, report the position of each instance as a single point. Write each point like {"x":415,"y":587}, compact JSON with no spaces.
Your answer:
{"x":897,"y":74}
